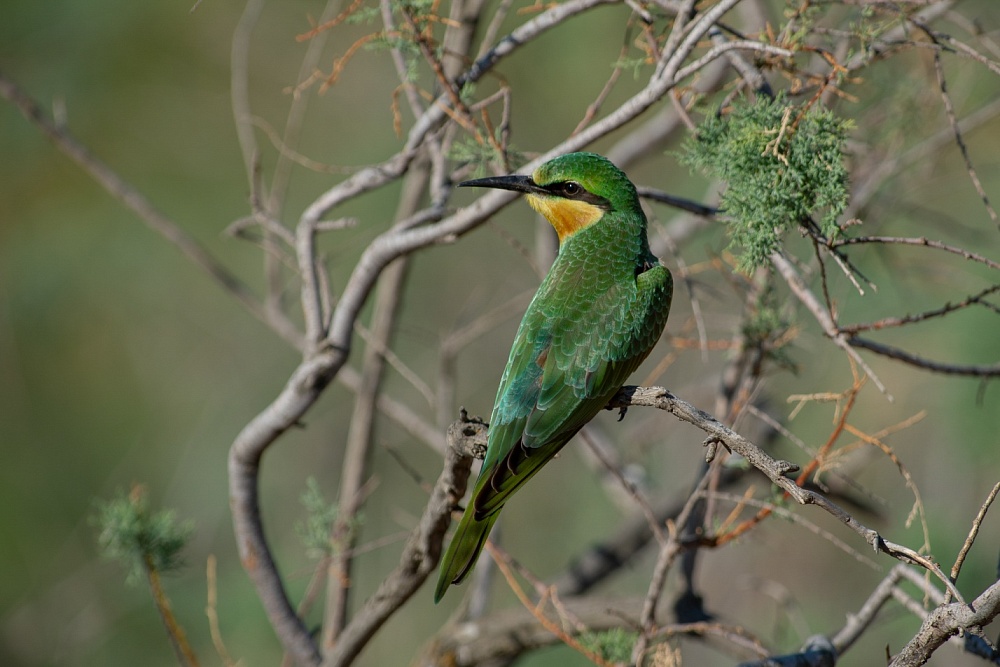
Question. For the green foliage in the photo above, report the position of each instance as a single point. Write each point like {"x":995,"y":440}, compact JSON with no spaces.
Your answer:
{"x":468,"y":92}
{"x":321,"y":517}
{"x":141,"y":539}
{"x":405,"y":45}
{"x":417,"y":8}
{"x":869,"y":26}
{"x":365,"y":14}
{"x":769,"y":330}
{"x":783,"y":164}
{"x":614,"y":645}
{"x":803,"y":18}
{"x":634,"y":65}
{"x":362,"y":15}
{"x":414,"y":15}
{"x":483,"y":154}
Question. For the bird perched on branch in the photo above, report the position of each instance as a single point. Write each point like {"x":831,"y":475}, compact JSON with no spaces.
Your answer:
{"x":595,"y":317}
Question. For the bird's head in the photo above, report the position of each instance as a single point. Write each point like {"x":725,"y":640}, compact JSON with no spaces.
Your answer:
{"x":572,"y":191}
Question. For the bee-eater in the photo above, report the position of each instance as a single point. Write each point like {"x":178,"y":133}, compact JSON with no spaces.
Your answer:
{"x":595,"y":317}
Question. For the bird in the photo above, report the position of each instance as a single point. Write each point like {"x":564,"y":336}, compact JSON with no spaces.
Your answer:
{"x":596,"y":316}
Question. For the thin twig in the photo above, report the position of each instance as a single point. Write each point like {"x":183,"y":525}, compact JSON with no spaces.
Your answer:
{"x":775,"y":470}
{"x":211,"y":610}
{"x":135,"y":201}
{"x":178,"y":638}
{"x":547,"y":623}
{"x":986,"y":371}
{"x":629,"y":487}
{"x":507,"y":633}
{"x":422,"y":550}
{"x":822,"y":316}
{"x":785,"y":513}
{"x":945,"y":621}
{"x":959,"y":141}
{"x":355,"y":466}
{"x":669,"y":550}
{"x":405,"y":417}
{"x":946,"y":309}
{"x":918,"y":241}
{"x":973,"y":532}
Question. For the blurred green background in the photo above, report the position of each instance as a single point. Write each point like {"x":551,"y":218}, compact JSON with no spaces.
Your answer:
{"x":120,"y":363}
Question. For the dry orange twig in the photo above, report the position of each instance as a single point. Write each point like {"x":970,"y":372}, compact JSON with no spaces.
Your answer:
{"x":332,"y":23}
{"x":536,"y":610}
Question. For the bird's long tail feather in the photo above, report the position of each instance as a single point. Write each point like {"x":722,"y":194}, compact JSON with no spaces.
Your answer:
{"x":466,"y":544}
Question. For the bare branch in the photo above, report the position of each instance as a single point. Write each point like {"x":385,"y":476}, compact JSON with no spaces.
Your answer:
{"x":823,"y":317}
{"x":423,"y":548}
{"x":509,"y":633}
{"x":973,"y":532}
{"x":946,"y":621}
{"x":921,"y":362}
{"x":729,"y":47}
{"x":775,"y":470}
{"x":239,"y":84}
{"x":953,"y":121}
{"x":135,"y":201}
{"x":946,"y":309}
{"x":918,"y":241}
{"x":299,"y":394}
{"x":355,"y":467}
{"x":401,"y":414}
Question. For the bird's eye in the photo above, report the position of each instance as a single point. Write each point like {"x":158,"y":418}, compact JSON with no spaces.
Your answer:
{"x":571,"y":189}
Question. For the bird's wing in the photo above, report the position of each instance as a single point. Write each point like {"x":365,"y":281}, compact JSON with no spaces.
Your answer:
{"x":562,"y":374}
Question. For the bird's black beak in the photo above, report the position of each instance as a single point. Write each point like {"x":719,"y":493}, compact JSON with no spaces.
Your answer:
{"x":515,"y":182}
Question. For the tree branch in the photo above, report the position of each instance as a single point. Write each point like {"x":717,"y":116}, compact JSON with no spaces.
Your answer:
{"x":946,"y":621}
{"x":921,"y":362}
{"x":466,"y":440}
{"x":507,"y":634}
{"x":299,"y":394}
{"x":775,"y":470}
{"x":135,"y":201}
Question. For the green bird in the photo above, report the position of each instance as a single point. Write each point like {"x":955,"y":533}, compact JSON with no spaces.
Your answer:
{"x":595,"y":317}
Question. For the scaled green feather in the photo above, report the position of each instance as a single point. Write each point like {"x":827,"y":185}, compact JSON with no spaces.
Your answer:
{"x":596,"y":316}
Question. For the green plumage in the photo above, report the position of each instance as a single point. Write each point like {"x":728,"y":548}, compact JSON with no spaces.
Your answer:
{"x":595,"y":317}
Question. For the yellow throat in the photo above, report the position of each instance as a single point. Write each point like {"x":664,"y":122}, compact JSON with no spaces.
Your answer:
{"x":567,"y":216}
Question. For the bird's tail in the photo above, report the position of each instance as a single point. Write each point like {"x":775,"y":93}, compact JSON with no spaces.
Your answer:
{"x":466,"y":544}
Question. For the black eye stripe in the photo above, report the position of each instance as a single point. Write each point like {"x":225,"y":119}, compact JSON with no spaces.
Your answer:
{"x":567,"y":189}
{"x":573,"y":190}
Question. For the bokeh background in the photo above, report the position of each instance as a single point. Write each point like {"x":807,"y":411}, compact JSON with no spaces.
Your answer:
{"x":121,"y":363}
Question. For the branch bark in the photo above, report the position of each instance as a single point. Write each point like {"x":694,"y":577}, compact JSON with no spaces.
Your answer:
{"x":948,"y":620}
{"x":466,"y":440}
{"x":775,"y":470}
{"x":503,"y":636}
